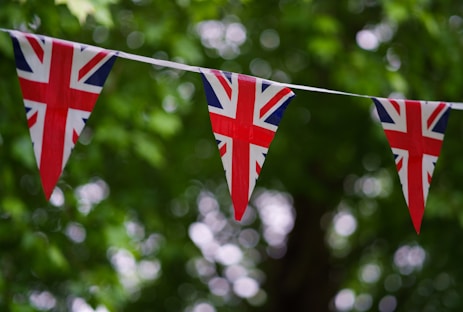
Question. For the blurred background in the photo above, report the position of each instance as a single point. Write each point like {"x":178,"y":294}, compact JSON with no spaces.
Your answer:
{"x":141,"y":219}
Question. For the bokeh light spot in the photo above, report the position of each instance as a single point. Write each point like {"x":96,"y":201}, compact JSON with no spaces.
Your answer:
{"x":269,"y":39}
{"x":344,"y":223}
{"x":245,"y":287}
{"x":42,"y":300}
{"x":57,"y":197}
{"x":219,"y":286}
{"x":367,"y":40}
{"x":203,"y":307}
{"x":75,"y":232}
{"x":344,"y":300}
{"x":387,"y":304}
{"x":363,"y":302}
{"x":370,"y":273}
{"x":229,"y":254}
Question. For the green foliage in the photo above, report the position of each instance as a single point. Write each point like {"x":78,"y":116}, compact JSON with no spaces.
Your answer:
{"x":141,"y":219}
{"x":98,"y":9}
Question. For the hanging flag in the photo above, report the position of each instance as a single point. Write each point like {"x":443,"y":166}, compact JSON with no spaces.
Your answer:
{"x":245,"y":113}
{"x":60,"y":83}
{"x":415,"y":131}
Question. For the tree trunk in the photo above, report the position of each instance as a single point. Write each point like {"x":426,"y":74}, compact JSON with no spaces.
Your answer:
{"x":304,"y":279}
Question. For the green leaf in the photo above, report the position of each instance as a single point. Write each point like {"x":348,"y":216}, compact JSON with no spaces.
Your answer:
{"x":164,"y":124}
{"x":81,"y":9}
{"x":57,"y":260}
{"x":14,"y":207}
{"x":23,"y":151}
{"x":148,"y":149}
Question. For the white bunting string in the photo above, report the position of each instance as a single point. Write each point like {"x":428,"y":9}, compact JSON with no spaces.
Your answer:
{"x":196,"y":69}
{"x":158,"y":62}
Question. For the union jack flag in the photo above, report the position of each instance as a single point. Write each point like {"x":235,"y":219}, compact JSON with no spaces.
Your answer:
{"x":415,"y":131}
{"x":60,"y":82}
{"x":245,"y":113}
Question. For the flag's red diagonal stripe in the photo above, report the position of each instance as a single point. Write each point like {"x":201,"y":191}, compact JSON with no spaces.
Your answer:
{"x":36,"y":47}
{"x":274,"y":101}
{"x":435,"y":113}
{"x":395,"y":105}
{"x":92,"y":63}
{"x":223,"y":150}
{"x":223,"y":81}
{"x":32,"y":120}
{"x":399,"y":164}
{"x":75,"y":136}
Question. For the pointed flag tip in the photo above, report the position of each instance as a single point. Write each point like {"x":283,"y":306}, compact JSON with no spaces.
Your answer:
{"x":48,"y":193}
{"x":239,"y":211}
{"x":417,"y":227}
{"x":49,"y":182}
{"x":239,"y":215}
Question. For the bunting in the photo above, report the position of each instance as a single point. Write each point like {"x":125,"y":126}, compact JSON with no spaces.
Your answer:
{"x":245,"y":113}
{"x":60,"y":83}
{"x":415,"y":131}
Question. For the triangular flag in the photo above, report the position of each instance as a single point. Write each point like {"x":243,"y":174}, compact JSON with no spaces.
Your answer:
{"x":415,"y":131}
{"x":245,"y":113}
{"x":60,"y":83}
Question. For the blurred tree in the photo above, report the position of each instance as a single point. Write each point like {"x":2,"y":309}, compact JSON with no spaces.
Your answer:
{"x":141,"y":219}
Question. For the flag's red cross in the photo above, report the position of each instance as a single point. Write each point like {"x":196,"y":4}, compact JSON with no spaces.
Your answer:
{"x":59,"y":98}
{"x":243,"y":132}
{"x":417,"y":145}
